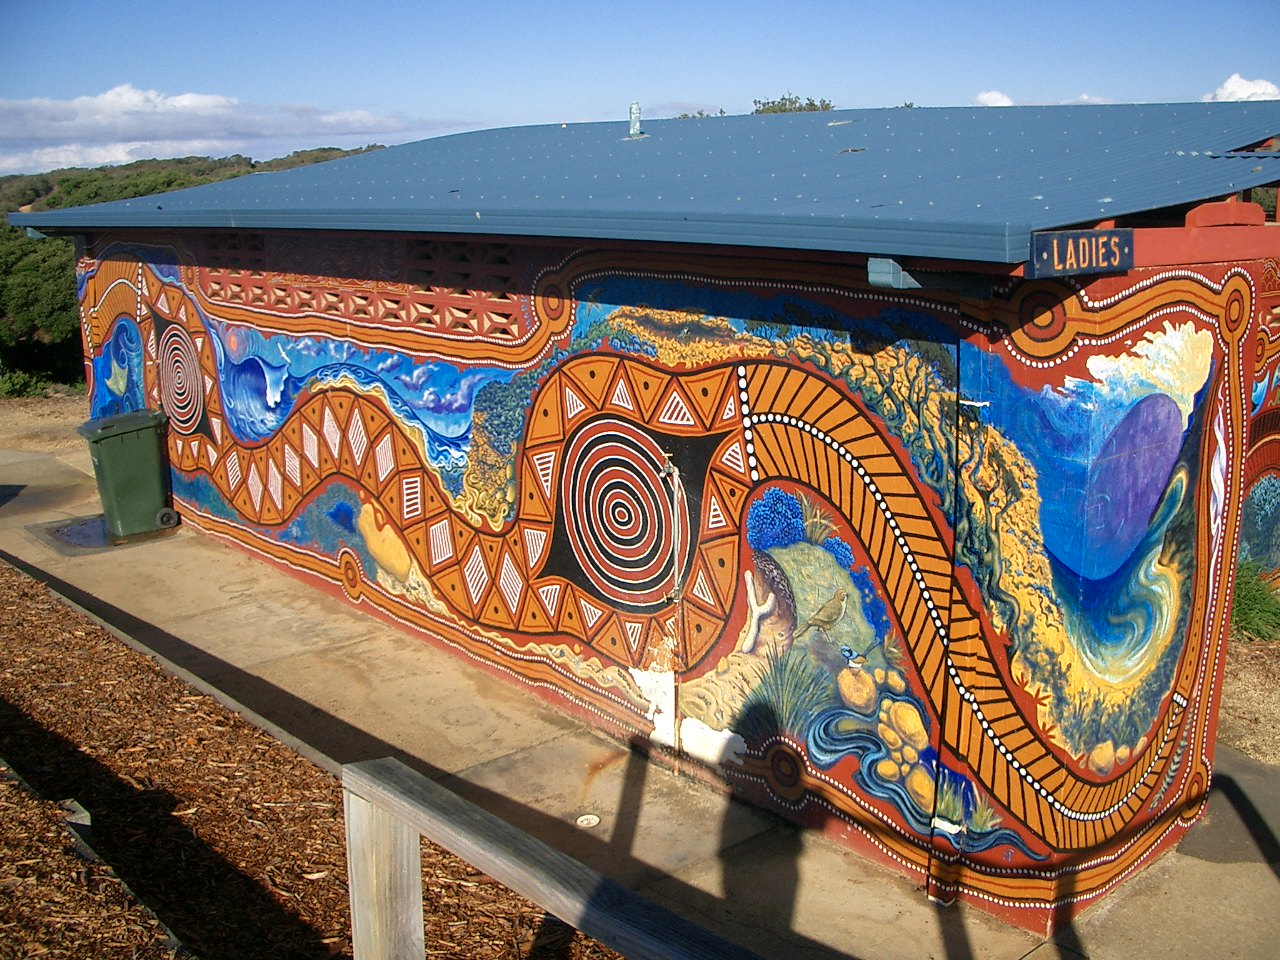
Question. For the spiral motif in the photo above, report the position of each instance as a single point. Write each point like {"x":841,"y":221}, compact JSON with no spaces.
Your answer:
{"x":350,"y":573}
{"x":181,"y":389}
{"x":1235,"y":312}
{"x":785,"y":769}
{"x":624,"y":519}
{"x":1044,"y":320}
{"x":552,"y":301}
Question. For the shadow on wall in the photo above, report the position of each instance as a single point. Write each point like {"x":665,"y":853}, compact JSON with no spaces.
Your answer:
{"x":759,"y":885}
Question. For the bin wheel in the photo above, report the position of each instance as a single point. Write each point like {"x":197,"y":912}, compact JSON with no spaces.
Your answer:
{"x":167,"y":518}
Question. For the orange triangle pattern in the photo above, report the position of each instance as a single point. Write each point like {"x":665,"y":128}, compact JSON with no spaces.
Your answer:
{"x":721,"y":559}
{"x":546,"y":423}
{"x":611,"y":640}
{"x":648,"y":386}
{"x":337,"y":432}
{"x":705,"y":393}
{"x":701,"y":631}
{"x":593,"y":376}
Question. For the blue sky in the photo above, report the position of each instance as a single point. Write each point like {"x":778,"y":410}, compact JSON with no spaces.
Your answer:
{"x":95,"y":82}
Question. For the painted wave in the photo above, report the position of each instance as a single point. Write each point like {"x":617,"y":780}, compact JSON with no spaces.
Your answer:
{"x":258,"y":397}
{"x":1114,"y":621}
{"x":117,"y":373}
{"x":444,"y":451}
{"x":838,"y":732}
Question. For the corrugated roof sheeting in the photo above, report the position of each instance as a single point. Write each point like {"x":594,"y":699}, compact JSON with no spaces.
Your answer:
{"x":957,"y":183}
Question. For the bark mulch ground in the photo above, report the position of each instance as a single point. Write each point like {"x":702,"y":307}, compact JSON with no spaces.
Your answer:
{"x":1251,"y":699}
{"x":232,"y":839}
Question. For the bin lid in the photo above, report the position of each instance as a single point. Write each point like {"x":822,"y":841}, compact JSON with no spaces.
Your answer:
{"x":130,"y":422}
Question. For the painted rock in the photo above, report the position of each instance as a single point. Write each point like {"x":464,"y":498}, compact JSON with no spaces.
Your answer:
{"x":889,"y":736}
{"x":905,"y":718}
{"x":887,"y":769}
{"x":1102,"y":758}
{"x":919,"y":786}
{"x":857,"y":690}
{"x":384,"y":543}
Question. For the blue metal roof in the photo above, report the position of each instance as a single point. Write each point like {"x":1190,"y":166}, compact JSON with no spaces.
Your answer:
{"x":957,"y":183}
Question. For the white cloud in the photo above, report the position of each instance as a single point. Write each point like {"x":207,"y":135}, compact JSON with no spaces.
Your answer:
{"x":1238,"y":88}
{"x":126,"y":123}
{"x":993,"y":98}
{"x":107,"y":154}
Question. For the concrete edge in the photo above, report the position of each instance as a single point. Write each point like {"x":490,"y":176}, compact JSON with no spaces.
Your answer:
{"x":301,"y":747}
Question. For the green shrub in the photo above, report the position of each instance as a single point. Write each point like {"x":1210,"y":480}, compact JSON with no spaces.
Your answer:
{"x":1255,"y":609}
{"x":19,"y":383}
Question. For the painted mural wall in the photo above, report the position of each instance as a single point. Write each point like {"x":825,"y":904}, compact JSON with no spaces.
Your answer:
{"x":945,"y":578}
{"x":1260,"y":522}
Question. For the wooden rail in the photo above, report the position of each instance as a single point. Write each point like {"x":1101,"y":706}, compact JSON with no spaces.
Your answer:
{"x":388,"y":807}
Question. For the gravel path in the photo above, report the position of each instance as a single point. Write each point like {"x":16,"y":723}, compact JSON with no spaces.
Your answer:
{"x":232,"y":839}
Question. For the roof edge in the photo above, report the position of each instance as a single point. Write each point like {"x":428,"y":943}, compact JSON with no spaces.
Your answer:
{"x":1001,"y":243}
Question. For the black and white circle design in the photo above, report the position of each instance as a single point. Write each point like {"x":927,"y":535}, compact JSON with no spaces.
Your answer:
{"x":619,"y":513}
{"x":181,"y":383}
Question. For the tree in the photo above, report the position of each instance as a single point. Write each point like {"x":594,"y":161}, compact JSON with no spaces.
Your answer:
{"x":39,"y":321}
{"x":790,"y":103}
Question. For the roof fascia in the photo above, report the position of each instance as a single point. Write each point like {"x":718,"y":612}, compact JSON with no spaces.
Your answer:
{"x":997,"y":243}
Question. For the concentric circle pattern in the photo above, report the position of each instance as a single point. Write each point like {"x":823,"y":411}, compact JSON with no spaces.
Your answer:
{"x":619,"y":515}
{"x":181,"y":386}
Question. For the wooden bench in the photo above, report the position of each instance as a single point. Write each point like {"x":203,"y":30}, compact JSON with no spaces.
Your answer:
{"x":388,"y":807}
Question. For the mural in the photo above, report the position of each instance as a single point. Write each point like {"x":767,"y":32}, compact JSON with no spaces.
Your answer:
{"x":1259,"y":522}
{"x":945,"y":578}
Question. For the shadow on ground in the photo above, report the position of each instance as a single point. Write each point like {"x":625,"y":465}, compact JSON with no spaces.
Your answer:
{"x":211,"y":907}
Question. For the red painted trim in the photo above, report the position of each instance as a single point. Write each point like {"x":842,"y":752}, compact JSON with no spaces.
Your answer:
{"x":1226,"y":213}
{"x":1176,"y":246}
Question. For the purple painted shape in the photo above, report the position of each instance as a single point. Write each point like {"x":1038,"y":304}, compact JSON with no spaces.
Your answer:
{"x":1126,"y":481}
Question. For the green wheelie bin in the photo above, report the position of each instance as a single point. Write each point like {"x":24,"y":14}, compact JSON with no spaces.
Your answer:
{"x":132,"y":471}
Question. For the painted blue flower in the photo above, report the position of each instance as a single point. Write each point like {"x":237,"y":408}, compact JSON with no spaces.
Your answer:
{"x":775,"y":520}
{"x":840,"y":550}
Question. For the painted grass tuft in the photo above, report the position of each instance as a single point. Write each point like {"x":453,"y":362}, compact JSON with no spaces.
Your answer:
{"x":787,"y":697}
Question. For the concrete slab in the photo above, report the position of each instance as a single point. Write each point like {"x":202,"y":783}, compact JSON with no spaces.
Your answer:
{"x":1184,"y":907}
{"x":36,"y":486}
{"x":417,"y":699}
{"x":798,"y":896}
{"x":182,"y":578}
{"x":173,"y":577}
{"x":652,"y":822}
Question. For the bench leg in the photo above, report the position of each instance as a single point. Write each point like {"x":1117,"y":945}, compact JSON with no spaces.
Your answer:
{"x":384,"y":877}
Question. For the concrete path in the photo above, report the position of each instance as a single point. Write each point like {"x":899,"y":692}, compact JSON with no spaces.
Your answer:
{"x":340,"y":687}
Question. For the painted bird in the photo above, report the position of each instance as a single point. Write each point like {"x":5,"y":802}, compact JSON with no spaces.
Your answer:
{"x":852,"y":660}
{"x":827,"y":616}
